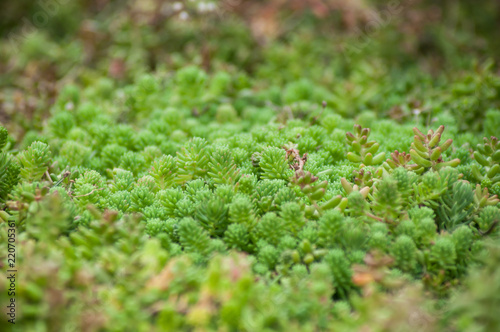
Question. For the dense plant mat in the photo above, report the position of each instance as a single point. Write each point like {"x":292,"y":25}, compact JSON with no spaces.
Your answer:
{"x":261,"y":182}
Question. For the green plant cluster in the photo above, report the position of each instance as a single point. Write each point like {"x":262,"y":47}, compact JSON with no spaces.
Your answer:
{"x":214,"y":165}
{"x":186,"y":202}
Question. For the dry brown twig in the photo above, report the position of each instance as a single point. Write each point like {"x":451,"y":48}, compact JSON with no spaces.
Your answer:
{"x":292,"y":153}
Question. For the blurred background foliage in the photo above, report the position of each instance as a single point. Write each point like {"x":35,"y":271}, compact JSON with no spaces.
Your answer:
{"x":390,"y":57}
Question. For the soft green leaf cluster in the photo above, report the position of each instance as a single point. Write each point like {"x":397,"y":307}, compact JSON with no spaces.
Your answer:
{"x":188,"y":218}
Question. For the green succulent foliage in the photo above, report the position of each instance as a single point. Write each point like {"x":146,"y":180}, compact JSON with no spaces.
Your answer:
{"x":433,"y":185}
{"x":155,"y":227}
{"x":193,"y":238}
{"x":426,"y":150}
{"x":34,"y":161}
{"x":269,"y":229}
{"x":241,"y":211}
{"x":482,"y":197}
{"x":265,"y":194}
{"x":387,"y":199}
{"x":330,"y":227}
{"x":268,"y":258}
{"x":456,"y":207}
{"x":315,"y":192}
{"x":9,"y":170}
{"x":61,"y":123}
{"x":119,"y":201}
{"x":468,"y":310}
{"x":74,"y":153}
{"x":443,"y":256}
{"x":190,"y":82}
{"x":9,"y":176}
{"x":133,"y":162}
{"x":4,"y":134}
{"x":177,"y":200}
{"x":364,"y":151}
{"x":463,"y":237}
{"x":341,"y":272}
{"x":274,"y":165}
{"x":212,"y":215}
{"x":488,"y":156}
{"x":492,"y":122}
{"x":293,"y":217}
{"x":237,"y":237}
{"x":222,"y":168}
{"x":121,"y":180}
{"x":305,"y":253}
{"x":164,"y":171}
{"x":404,"y":251}
{"x":400,"y":159}
{"x":111,"y":155}
{"x":473,"y":94}
{"x":192,"y":160}
{"x":379,"y":241}
{"x":141,"y":197}
{"x":488,"y":219}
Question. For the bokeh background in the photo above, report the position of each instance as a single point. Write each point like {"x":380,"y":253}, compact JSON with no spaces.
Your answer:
{"x":382,"y":56}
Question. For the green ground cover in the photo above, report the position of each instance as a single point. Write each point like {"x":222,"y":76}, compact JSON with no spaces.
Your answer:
{"x":250,"y":166}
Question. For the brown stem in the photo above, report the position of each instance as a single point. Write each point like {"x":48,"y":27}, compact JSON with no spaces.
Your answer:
{"x":374,"y":217}
{"x":90,"y":193}
{"x":492,"y":227}
{"x":48,"y":176}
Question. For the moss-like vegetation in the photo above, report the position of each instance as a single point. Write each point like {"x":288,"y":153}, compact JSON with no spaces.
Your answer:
{"x":250,"y":166}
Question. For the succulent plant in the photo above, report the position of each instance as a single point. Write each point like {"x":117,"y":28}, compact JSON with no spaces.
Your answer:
{"x":427,"y":152}
{"x":364,"y":151}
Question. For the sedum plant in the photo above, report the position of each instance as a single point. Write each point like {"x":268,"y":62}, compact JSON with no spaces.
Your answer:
{"x":212,"y":210}
{"x":364,"y":151}
{"x":426,"y":150}
{"x":488,"y":156}
{"x":34,"y":161}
